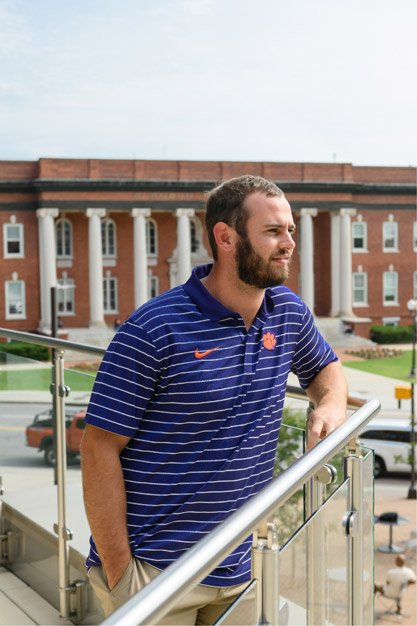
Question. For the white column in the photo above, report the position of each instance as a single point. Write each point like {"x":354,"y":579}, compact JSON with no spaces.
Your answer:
{"x":140,"y":256}
{"x":95,"y":266}
{"x":47,"y":263}
{"x":335,"y":263}
{"x":184,"y":244}
{"x":346,"y":262}
{"x":307,"y":257}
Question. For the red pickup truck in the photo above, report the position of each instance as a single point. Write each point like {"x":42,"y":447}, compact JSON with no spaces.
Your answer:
{"x":39,"y":434}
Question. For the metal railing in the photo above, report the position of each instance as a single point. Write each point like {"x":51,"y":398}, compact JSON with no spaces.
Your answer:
{"x":178,"y":579}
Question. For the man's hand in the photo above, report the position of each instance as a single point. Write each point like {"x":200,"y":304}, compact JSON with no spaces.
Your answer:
{"x":328,"y":390}
{"x":115,"y":570}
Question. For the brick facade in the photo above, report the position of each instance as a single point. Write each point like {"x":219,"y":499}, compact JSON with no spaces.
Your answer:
{"x":73,"y":185}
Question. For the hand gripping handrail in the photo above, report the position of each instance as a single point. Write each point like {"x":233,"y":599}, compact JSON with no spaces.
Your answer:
{"x":192,"y":567}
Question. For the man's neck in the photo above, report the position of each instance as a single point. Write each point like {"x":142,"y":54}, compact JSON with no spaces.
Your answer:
{"x":235,"y":295}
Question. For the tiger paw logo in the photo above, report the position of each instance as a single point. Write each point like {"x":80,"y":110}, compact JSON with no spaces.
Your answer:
{"x":269,"y":341}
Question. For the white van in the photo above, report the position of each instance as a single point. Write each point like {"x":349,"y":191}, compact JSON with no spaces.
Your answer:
{"x":390,"y":438}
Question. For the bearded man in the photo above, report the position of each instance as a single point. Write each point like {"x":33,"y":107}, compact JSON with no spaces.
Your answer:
{"x":184,"y":417}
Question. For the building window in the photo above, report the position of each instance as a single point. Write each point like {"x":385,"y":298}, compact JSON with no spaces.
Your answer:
{"x":153,"y":287}
{"x":390,"y":288}
{"x":415,"y":236}
{"x":360,"y":288}
{"x":359,"y":236}
{"x":63,"y":230}
{"x":15,"y":299}
{"x":151,"y":238}
{"x":390,"y":321}
{"x":110,"y":294}
{"x":390,"y":236}
{"x":194,"y":236}
{"x":415,"y":285}
{"x":65,"y":296}
{"x":13,"y":240}
{"x":108,"y":238}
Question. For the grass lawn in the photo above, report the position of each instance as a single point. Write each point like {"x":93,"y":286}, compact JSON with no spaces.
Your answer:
{"x":40,"y":379}
{"x":394,"y":367}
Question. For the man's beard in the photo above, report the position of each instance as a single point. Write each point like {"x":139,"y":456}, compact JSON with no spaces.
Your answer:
{"x":254,"y":271}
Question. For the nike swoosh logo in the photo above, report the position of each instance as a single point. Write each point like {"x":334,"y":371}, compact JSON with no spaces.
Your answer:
{"x":199,"y":355}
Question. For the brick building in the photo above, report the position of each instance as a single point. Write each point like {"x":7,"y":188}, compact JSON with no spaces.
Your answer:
{"x":113,"y":233}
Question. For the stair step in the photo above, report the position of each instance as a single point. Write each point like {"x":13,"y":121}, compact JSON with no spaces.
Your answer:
{"x":332,"y":329}
{"x":21,"y":605}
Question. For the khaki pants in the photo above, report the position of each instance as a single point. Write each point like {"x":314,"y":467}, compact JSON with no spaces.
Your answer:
{"x":203,"y":605}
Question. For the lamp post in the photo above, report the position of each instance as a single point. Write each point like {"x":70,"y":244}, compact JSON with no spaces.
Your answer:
{"x":412,"y":307}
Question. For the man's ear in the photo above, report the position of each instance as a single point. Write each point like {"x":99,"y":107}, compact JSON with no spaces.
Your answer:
{"x":225,"y":236}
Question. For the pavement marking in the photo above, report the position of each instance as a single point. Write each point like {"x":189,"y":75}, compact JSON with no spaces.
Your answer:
{"x":12,"y":427}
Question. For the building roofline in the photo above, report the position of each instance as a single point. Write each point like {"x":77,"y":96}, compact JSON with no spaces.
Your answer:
{"x":40,"y":185}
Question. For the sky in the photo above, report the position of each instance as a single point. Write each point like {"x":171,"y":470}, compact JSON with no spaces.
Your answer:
{"x":242,"y":80}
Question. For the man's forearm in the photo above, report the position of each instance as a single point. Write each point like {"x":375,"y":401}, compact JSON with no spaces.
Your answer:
{"x":329,"y":392}
{"x":105,"y":505}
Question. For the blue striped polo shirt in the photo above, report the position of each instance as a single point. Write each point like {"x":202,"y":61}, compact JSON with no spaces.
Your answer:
{"x":201,"y":399}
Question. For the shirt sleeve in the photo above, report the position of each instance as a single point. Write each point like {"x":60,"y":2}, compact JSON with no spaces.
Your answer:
{"x":125,"y":382}
{"x":312,"y":352}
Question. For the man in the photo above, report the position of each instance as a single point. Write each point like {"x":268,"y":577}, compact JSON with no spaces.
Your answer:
{"x":184,"y":417}
{"x":398,"y":580}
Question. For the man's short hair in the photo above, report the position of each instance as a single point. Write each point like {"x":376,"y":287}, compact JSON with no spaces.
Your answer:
{"x":225,"y":203}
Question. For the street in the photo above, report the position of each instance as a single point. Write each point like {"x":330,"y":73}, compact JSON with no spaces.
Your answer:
{"x":19,"y":464}
{"x":23,"y":467}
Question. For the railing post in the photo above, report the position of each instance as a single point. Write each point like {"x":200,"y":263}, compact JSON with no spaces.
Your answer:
{"x":64,"y":534}
{"x":354,"y":470}
{"x":265,"y":557}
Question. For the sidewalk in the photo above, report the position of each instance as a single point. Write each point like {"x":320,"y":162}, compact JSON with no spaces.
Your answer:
{"x":383,"y":562}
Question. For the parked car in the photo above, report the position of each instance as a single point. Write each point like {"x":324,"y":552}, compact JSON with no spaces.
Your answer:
{"x":390,"y":439}
{"x":40,"y":435}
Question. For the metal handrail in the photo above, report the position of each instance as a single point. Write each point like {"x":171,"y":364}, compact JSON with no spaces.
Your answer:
{"x":192,"y":567}
{"x":51,"y":342}
{"x":294,"y":392}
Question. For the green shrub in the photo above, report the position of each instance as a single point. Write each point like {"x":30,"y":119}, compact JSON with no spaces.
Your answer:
{"x":26,"y":350}
{"x":391,"y":334}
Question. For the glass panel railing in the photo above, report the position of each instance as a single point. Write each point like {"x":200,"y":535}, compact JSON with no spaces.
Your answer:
{"x":337,"y":556}
{"x":291,"y":445}
{"x":27,"y":468}
{"x":368,"y":534}
{"x":26,"y":421}
{"x":25,"y":400}
{"x":313,"y":566}
{"x":243,"y":610}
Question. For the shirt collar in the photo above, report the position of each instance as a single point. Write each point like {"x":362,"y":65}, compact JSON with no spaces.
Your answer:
{"x":211,"y":307}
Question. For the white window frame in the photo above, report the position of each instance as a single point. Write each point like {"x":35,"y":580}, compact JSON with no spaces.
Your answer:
{"x":151,"y":249}
{"x":393,"y":225}
{"x":364,"y":236}
{"x":196,"y":242}
{"x":65,"y":296}
{"x":107,"y":281}
{"x":390,"y":321}
{"x":105,"y":224}
{"x":153,"y":286}
{"x":6,"y":239}
{"x":22,"y":314}
{"x":363,"y":302}
{"x":59,"y":227}
{"x":385,"y":276}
